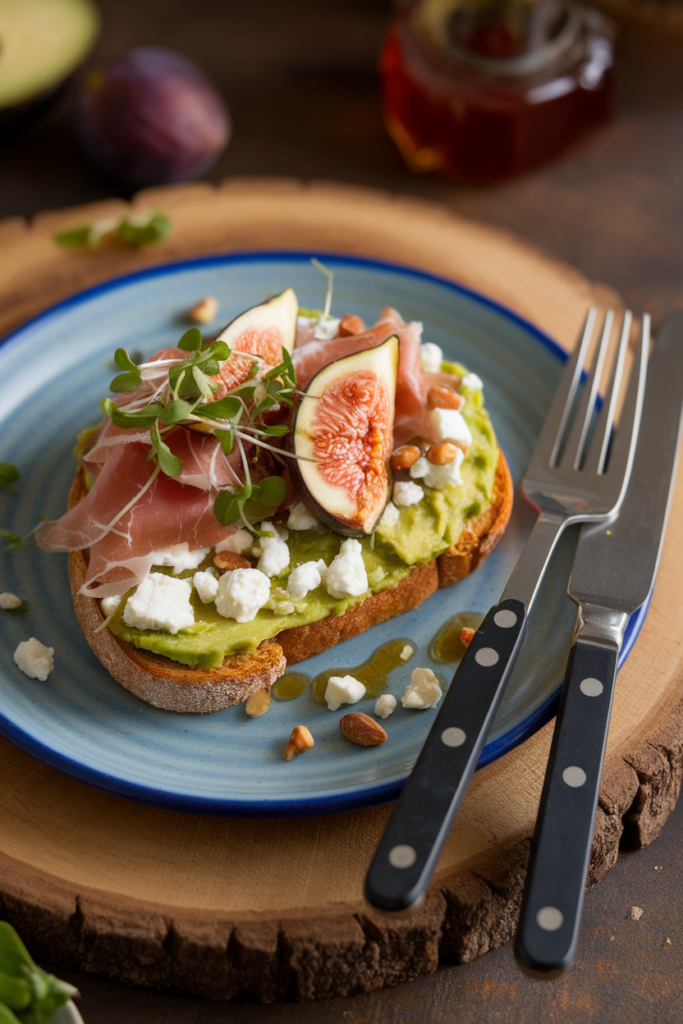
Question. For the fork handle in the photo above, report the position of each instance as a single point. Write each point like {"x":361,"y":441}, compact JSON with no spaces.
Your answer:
{"x":409,"y":849}
{"x":560,"y":851}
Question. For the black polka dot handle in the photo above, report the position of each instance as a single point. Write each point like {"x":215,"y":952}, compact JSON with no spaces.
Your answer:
{"x":409,"y":849}
{"x":560,"y":852}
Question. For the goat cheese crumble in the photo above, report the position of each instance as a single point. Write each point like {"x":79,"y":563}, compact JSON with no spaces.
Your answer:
{"x":300,"y":518}
{"x":472,"y":382}
{"x":35,"y":659}
{"x":9,"y":601}
{"x":346,"y":575}
{"x":407,"y":493}
{"x":439,"y":477}
{"x":160,"y":602}
{"x":385,"y":705}
{"x":423,"y":690}
{"x":343,"y":690}
{"x":238,"y":542}
{"x":449,"y":425}
{"x":179,"y":557}
{"x":206,"y":585}
{"x":431,"y":357}
{"x":306,"y":577}
{"x":274,"y":551}
{"x":241,"y":594}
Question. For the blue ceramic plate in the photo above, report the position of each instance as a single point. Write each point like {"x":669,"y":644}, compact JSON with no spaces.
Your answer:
{"x":53,"y":372}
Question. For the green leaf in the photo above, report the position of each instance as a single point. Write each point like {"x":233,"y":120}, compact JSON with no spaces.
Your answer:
{"x":224,"y":409}
{"x":21,"y":609}
{"x":276,"y":430}
{"x":175,"y":412}
{"x":13,"y":953}
{"x":272,"y":490}
{"x":191,"y":340}
{"x":203,"y":383}
{"x":75,"y":238}
{"x":14,"y":541}
{"x":126,"y":382}
{"x":123,"y":360}
{"x":169,"y":463}
{"x":15,"y":992}
{"x":6,"y":1015}
{"x":9,"y":475}
{"x":128,"y":420}
{"x":207,"y":360}
{"x":227,"y":507}
{"x":144,"y":229}
{"x":226,"y":439}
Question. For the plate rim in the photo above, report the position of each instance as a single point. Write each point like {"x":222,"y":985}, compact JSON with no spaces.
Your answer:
{"x":306,"y":806}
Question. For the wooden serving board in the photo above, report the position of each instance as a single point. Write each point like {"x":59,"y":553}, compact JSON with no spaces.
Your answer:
{"x":273,"y":909}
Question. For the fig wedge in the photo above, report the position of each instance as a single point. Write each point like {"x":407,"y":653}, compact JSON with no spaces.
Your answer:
{"x":345,"y":423}
{"x":262,"y":331}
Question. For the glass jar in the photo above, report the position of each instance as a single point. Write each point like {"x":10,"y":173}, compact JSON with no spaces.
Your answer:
{"x":486,"y":89}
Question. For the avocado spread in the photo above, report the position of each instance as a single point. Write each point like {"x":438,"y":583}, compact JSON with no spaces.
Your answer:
{"x":423,"y":531}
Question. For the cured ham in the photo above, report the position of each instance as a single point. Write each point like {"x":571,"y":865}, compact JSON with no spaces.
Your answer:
{"x":122,"y":547}
{"x":310,"y":355}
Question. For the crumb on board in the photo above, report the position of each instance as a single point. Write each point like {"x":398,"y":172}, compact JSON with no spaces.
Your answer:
{"x":636,"y":913}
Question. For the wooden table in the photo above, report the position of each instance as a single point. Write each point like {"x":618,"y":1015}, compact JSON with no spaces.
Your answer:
{"x":301,"y":85}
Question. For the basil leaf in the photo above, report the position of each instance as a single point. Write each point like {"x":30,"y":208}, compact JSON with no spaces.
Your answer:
{"x":272,"y":490}
{"x":224,"y":409}
{"x":123,"y":360}
{"x":9,"y":475}
{"x":169,"y":463}
{"x":227,"y":507}
{"x":126,"y":382}
{"x":191,"y":340}
{"x":141,"y":420}
{"x":226,"y":439}
{"x":138,"y":232}
{"x":21,"y":609}
{"x":175,"y":412}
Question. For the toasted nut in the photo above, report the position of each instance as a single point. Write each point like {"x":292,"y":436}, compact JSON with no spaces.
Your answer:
{"x":466,"y":635}
{"x":405,"y":456}
{"x":443,"y":397}
{"x":205,"y":310}
{"x":636,"y":913}
{"x":362,"y":729}
{"x":350,"y":324}
{"x":258,"y":703}
{"x":230,"y":560}
{"x":299,"y":741}
{"x":441,"y":453}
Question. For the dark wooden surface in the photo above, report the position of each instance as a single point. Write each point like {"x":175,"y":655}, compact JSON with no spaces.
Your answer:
{"x":301,"y":84}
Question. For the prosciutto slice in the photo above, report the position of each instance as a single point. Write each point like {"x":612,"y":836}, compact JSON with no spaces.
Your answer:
{"x":310,"y":355}
{"x":169,"y":512}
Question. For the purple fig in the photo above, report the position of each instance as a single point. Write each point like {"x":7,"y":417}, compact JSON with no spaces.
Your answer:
{"x":152,"y":117}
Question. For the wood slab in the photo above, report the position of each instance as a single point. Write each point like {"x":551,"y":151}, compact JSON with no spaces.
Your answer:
{"x":272,"y":909}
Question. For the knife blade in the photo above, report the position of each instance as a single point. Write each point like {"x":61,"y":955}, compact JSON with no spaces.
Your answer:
{"x":612,"y":576}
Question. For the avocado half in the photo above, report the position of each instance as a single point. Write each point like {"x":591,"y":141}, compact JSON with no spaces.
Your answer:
{"x":42,"y":42}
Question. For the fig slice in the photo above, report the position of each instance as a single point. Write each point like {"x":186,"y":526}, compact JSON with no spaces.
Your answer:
{"x":345,"y":423}
{"x":262,"y":331}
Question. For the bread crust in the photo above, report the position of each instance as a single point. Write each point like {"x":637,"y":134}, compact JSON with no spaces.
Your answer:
{"x":174,"y":687}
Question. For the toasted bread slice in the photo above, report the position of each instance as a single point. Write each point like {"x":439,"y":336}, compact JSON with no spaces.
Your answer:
{"x":167,"y":684}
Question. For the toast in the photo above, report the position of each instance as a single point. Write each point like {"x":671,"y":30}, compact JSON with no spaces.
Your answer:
{"x":175,"y":687}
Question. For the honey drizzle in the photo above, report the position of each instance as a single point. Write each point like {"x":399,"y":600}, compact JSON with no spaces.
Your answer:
{"x":373,"y":673}
{"x":447,"y":647}
{"x":290,"y":686}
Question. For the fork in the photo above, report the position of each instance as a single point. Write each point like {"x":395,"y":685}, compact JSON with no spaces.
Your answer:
{"x":570,"y":479}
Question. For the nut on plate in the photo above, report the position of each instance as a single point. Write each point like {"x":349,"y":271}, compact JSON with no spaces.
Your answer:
{"x":405,"y":456}
{"x":442,"y":453}
{"x":204,"y":311}
{"x":258,"y":703}
{"x":363,"y":730}
{"x":231,"y":560}
{"x":443,"y":397}
{"x":466,"y":636}
{"x":299,"y":741}
{"x":350,"y":324}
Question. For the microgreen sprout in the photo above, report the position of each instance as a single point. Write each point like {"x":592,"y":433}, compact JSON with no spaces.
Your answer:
{"x":13,"y":541}
{"x":328,"y":295}
{"x":136,"y":230}
{"x":9,"y":475}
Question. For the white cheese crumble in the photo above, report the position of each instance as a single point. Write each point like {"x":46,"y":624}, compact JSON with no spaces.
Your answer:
{"x":206,"y":585}
{"x":346,"y":575}
{"x":325,"y":330}
{"x":300,"y":518}
{"x":407,"y":493}
{"x":241,"y":594}
{"x":390,"y":516}
{"x":180,"y":557}
{"x":9,"y":601}
{"x":160,"y":602}
{"x":304,"y":578}
{"x":343,"y":690}
{"x":407,"y":653}
{"x":449,"y":425}
{"x":439,"y":477}
{"x":35,"y":659}
{"x":385,"y":705}
{"x":431,"y":357}
{"x":279,"y":602}
{"x":274,"y":551}
{"x":238,"y":542}
{"x":472,"y":382}
{"x":110,"y":604}
{"x":423,"y":690}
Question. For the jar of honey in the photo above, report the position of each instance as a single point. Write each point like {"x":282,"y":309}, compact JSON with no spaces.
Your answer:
{"x":487,"y":89}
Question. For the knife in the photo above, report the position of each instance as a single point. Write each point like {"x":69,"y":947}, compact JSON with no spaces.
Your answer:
{"x":613,"y":573}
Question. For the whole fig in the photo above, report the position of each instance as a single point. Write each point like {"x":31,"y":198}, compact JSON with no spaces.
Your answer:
{"x":152,"y":117}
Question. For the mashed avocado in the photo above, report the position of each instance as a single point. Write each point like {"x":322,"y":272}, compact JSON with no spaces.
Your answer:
{"x":423,"y":531}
